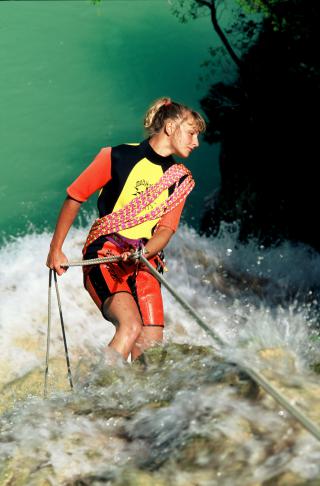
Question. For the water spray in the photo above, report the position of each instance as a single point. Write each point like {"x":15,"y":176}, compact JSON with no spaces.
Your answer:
{"x":254,"y":375}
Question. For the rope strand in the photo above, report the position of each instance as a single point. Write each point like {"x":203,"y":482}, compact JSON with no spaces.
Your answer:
{"x":93,"y":261}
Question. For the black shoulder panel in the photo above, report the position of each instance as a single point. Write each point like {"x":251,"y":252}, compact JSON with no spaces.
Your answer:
{"x":123,"y":159}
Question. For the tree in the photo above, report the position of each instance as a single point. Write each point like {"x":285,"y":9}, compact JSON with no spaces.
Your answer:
{"x":264,"y":122}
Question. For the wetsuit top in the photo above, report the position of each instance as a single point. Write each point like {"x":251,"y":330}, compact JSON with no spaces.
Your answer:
{"x":121,"y":173}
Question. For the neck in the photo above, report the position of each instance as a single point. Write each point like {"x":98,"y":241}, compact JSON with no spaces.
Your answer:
{"x":161,"y":145}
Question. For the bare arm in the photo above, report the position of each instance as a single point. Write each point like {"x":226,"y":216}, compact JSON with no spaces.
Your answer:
{"x":68,"y":213}
{"x":158,"y":241}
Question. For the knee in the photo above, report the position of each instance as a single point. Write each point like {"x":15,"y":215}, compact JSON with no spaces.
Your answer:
{"x":129,"y":330}
{"x":134,"y":329}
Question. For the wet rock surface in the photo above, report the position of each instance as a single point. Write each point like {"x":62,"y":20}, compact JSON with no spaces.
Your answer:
{"x":180,"y":415}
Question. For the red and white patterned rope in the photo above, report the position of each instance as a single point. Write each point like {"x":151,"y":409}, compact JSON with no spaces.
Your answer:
{"x":128,"y":216}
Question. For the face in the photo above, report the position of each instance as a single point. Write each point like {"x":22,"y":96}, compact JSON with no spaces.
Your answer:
{"x":184,"y":137}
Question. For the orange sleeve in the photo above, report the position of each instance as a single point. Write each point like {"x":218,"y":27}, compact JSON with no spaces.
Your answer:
{"x":95,"y":176}
{"x":171,"y":219}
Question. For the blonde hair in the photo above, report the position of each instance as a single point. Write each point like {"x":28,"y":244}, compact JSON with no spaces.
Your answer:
{"x":164,"y":109}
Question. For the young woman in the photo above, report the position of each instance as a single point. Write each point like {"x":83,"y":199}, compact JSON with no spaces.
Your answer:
{"x":142,"y":194}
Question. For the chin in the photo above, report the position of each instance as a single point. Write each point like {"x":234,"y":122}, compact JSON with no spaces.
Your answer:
{"x":184,"y":155}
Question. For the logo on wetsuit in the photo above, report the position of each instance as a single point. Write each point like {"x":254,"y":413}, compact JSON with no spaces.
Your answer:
{"x":140,"y":187}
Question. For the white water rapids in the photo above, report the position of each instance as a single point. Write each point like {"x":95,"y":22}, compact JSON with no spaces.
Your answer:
{"x":177,"y":420}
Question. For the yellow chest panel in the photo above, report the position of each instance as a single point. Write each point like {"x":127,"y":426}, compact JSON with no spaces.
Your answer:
{"x":143,"y":175}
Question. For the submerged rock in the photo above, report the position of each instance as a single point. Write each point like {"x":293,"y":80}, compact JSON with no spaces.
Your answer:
{"x":179,"y":416}
{"x":316,"y":367}
{"x":278,"y":358}
{"x":172,"y":353}
{"x":32,"y":384}
{"x":289,"y":479}
{"x":24,"y":471}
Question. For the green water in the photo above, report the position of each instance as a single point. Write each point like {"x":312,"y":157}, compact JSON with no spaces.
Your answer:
{"x":75,"y":77}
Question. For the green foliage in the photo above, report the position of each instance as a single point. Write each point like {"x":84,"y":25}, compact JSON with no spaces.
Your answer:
{"x":274,"y":10}
{"x":261,"y":6}
{"x":185,"y":9}
{"x":237,"y":30}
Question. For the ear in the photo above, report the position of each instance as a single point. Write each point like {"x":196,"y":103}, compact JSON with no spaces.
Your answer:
{"x":169,"y":127}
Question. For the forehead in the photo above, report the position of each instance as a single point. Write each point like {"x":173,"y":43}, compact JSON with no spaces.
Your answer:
{"x":189,"y":122}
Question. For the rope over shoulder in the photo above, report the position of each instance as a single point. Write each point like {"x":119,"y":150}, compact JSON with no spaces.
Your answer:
{"x":130,"y":216}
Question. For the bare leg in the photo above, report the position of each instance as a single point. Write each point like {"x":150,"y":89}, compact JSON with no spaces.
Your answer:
{"x":149,"y":336}
{"x":122,"y":310}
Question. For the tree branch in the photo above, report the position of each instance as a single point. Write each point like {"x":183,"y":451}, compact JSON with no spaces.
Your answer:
{"x":204,"y":2}
{"x":213,"y":11}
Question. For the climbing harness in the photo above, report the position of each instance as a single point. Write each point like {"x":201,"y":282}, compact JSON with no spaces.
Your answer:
{"x":128,"y":216}
{"x":254,"y":375}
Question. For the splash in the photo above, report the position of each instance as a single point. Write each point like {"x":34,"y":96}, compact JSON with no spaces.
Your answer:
{"x":186,"y":409}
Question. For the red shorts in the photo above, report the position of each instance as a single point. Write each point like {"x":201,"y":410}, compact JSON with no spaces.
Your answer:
{"x":102,"y":281}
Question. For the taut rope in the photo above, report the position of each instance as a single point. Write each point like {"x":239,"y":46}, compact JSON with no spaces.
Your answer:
{"x":49,"y":330}
{"x":93,"y":261}
{"x":254,"y":375}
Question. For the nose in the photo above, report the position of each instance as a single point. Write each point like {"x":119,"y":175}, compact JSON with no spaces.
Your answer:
{"x":195,"y":141}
